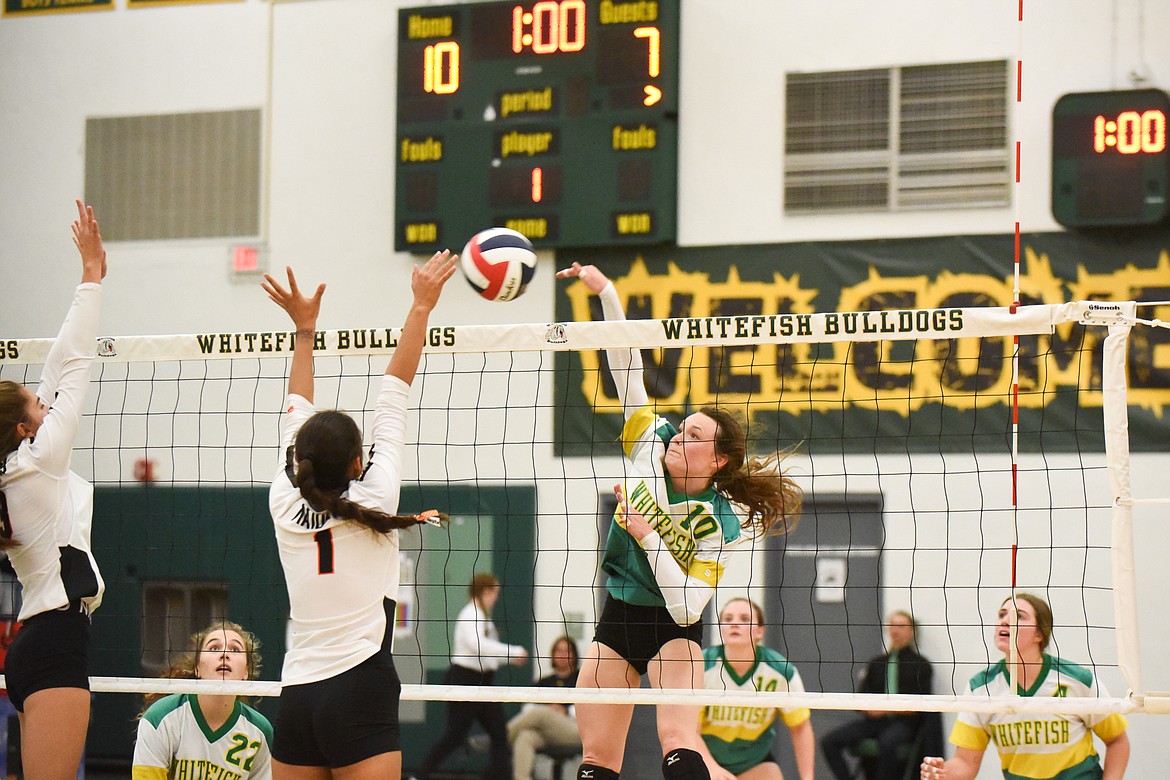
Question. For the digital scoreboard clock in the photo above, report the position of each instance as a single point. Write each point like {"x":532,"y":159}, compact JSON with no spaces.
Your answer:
{"x":1110,"y":163}
{"x":556,"y":118}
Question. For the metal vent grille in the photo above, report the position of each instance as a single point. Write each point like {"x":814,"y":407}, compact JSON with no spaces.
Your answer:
{"x":921,"y":137}
{"x":176,"y":175}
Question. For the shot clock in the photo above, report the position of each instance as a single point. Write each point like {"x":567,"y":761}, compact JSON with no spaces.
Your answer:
{"x":556,"y":118}
{"x":1110,"y":162}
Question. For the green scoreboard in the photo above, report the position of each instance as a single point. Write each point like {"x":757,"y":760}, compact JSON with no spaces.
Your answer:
{"x":558,"y":119}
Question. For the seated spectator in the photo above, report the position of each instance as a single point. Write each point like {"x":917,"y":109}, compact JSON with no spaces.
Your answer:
{"x":738,"y":740}
{"x":901,"y":670}
{"x":547,"y":726}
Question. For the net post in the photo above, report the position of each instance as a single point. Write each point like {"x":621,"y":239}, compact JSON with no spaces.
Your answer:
{"x":1115,"y":411}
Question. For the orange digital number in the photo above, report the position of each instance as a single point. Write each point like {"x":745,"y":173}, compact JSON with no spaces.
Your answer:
{"x":653,"y":59}
{"x":441,"y":68}
{"x":552,"y":27}
{"x":1131,"y":132}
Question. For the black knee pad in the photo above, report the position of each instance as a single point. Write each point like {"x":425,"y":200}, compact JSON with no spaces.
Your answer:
{"x":594,"y":772}
{"x":684,"y":764}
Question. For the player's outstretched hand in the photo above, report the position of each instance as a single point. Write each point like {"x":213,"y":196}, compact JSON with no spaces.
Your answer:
{"x":427,"y":281}
{"x":88,"y":240}
{"x":591,"y":275}
{"x":302,"y":310}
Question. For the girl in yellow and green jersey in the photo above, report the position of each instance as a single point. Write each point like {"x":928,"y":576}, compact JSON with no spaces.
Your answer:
{"x":689,"y":496}
{"x":739,"y":738}
{"x":1034,"y":747}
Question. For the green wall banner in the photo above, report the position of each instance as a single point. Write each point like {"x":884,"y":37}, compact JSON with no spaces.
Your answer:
{"x":935,"y":393}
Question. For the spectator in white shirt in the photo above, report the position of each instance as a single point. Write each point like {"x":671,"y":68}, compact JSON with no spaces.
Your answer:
{"x":477,"y":654}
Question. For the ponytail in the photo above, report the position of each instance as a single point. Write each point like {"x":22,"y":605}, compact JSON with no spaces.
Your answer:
{"x":325,"y":449}
{"x":13,"y":411}
{"x":332,"y":502}
{"x":772,"y":499}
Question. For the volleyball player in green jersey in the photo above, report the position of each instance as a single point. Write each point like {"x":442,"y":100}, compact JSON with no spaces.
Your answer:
{"x":690,"y":495}
{"x":738,"y":738}
{"x":207,"y":735}
{"x":1033,"y":747}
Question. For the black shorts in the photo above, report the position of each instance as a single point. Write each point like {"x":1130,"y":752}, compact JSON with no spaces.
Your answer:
{"x":51,"y":650}
{"x":342,"y":720}
{"x":637,"y":633}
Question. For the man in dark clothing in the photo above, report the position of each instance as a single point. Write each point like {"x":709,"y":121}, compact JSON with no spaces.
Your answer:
{"x":900,"y":671}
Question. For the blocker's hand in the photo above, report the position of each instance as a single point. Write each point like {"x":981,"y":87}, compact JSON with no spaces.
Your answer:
{"x":593,"y":278}
{"x":302,"y":310}
{"x":427,"y":280}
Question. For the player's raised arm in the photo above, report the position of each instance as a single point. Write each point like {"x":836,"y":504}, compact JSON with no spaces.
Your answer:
{"x":427,"y":283}
{"x":625,"y":365}
{"x":303,"y":312}
{"x":48,"y":512}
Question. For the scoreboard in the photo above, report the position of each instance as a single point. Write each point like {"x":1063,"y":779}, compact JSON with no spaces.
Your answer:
{"x":1110,"y":161}
{"x":556,"y":118}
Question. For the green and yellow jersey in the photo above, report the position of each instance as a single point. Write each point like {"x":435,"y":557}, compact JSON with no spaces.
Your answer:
{"x":1040,"y":747}
{"x":700,"y":531}
{"x":740,"y":737}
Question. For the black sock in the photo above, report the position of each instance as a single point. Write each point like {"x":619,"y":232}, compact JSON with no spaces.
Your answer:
{"x":684,"y":764}
{"x":594,"y":772}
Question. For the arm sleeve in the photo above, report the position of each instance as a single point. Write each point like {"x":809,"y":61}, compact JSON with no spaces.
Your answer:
{"x":380,"y":484}
{"x":970,"y":729}
{"x":795,"y":715}
{"x":625,"y":365}
{"x":152,"y":756}
{"x":390,"y":421}
{"x":66,"y":380}
{"x":1111,"y":727}
{"x":966,"y":735}
{"x":297,"y":409}
{"x":1104,"y":726}
{"x":686,"y":597}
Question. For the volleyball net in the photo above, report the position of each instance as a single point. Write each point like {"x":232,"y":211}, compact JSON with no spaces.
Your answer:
{"x":947,"y":456}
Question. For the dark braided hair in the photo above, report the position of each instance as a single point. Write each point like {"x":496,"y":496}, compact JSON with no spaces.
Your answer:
{"x":325,"y":449}
{"x":772,"y":499}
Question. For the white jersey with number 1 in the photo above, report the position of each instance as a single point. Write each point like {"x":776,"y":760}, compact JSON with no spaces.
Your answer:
{"x":340,"y":574}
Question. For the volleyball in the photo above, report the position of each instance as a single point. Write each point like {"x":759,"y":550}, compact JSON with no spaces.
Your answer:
{"x":498,"y":263}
